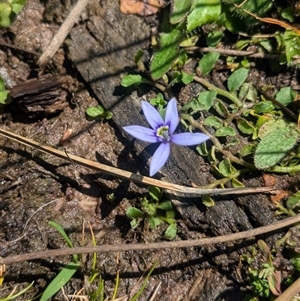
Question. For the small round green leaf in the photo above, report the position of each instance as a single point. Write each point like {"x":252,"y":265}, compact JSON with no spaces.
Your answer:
{"x":94,"y":112}
{"x":207,"y":62}
{"x":293,"y":201}
{"x":166,"y":205}
{"x":286,"y":95}
{"x":264,"y":107}
{"x":225,"y":131}
{"x":245,"y":126}
{"x":134,"y":213}
{"x":203,"y":12}
{"x":171,"y":231}
{"x":133,"y":79}
{"x":213,"y":121}
{"x":237,"y":78}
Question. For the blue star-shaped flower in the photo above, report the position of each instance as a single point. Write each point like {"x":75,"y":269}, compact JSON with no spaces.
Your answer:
{"x":163,"y":131}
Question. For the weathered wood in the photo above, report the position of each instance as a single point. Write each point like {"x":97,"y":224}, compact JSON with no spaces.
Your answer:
{"x":101,"y":53}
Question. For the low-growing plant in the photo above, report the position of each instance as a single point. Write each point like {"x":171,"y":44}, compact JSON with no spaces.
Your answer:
{"x":4,"y":94}
{"x":266,"y":275}
{"x":248,"y":128}
{"x":8,"y":11}
{"x":155,"y":210}
{"x":98,"y":113}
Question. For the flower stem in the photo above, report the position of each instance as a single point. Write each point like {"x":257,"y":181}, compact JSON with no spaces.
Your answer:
{"x":221,"y":92}
{"x":285,"y":169}
{"x":223,"y":181}
{"x":216,"y":142}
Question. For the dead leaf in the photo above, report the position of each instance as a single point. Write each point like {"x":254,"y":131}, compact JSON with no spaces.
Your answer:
{"x":278,"y":195}
{"x":269,"y":180}
{"x":141,"y":7}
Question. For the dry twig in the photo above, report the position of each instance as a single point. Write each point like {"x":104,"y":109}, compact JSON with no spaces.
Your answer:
{"x":157,"y":245}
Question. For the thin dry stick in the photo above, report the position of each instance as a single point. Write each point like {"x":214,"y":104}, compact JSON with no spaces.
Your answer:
{"x":290,"y":292}
{"x":156,"y":245}
{"x":227,"y":52}
{"x":128,"y":175}
{"x":62,"y":33}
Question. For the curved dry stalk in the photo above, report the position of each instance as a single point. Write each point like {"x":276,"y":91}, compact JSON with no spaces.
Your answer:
{"x":120,"y":173}
{"x":156,"y":245}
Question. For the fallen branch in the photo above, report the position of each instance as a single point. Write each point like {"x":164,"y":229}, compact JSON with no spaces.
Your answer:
{"x":157,"y":245}
{"x":62,"y":33}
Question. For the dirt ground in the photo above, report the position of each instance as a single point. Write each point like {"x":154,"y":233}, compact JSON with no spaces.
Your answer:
{"x":37,"y":188}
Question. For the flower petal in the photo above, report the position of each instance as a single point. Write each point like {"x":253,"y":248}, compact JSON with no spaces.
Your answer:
{"x":142,"y":133}
{"x":188,"y":138}
{"x":172,"y":118}
{"x":159,"y":158}
{"x":152,"y":115}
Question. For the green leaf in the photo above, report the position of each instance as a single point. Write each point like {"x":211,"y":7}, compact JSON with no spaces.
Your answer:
{"x":214,"y":38}
{"x":150,"y":209}
{"x":248,"y":92}
{"x":187,"y":78}
{"x":296,"y":263}
{"x":170,"y":214}
{"x":155,"y":193}
{"x":18,"y":294}
{"x":138,"y":59}
{"x":236,"y":183}
{"x":207,"y":201}
{"x":134,"y":79}
{"x":154,"y":222}
{"x":241,"y":44}
{"x":274,"y":146}
{"x":271,"y":126}
{"x":17,"y":5}
{"x":274,"y":281}
{"x":288,"y":14}
{"x":166,"y":205}
{"x":293,"y":201}
{"x":286,"y":95}
{"x":171,"y":232}
{"x":180,"y":9}
{"x":213,"y":121}
{"x":207,"y":62}
{"x":202,"y":149}
{"x":221,"y":108}
{"x":264,"y":107}
{"x":5,"y":12}
{"x":134,"y":223}
{"x":225,"y":168}
{"x":245,"y":126}
{"x":236,"y":79}
{"x":205,"y":100}
{"x":238,"y":17}
{"x":60,"y":280}
{"x":203,"y":12}
{"x":62,"y":232}
{"x":108,"y":115}
{"x":212,"y":155}
{"x":94,"y":112}
{"x":247,"y":150}
{"x":134,"y":213}
{"x":292,"y":45}
{"x":225,"y":131}
{"x":163,"y":58}
{"x":5,"y":98}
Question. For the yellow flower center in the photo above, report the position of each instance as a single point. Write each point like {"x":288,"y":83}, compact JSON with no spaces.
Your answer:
{"x":163,"y":132}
